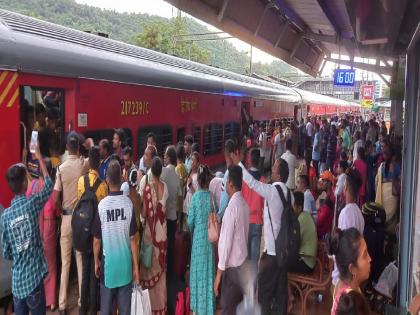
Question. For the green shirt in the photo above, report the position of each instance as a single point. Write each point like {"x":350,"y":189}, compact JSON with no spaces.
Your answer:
{"x":346,"y":140}
{"x":308,"y":239}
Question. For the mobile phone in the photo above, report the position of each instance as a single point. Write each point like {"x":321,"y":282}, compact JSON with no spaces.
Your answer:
{"x":34,"y":141}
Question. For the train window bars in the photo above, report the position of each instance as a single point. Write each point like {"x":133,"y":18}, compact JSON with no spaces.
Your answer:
{"x":163,"y":138}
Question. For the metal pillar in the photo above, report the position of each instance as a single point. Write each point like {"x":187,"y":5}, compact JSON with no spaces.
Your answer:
{"x":397,"y":96}
{"x":409,"y":172}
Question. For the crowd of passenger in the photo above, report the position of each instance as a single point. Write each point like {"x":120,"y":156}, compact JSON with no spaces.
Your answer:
{"x":160,"y":222}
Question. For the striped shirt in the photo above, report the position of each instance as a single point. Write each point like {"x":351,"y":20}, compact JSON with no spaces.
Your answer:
{"x":21,"y":241}
{"x":115,"y":224}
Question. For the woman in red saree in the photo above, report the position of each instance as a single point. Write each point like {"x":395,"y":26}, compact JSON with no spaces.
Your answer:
{"x":155,"y":193}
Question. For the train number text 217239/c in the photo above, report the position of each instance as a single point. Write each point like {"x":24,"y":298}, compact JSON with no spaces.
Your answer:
{"x":134,"y":108}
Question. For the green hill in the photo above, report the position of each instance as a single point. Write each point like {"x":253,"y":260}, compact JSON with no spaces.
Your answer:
{"x":128,"y":27}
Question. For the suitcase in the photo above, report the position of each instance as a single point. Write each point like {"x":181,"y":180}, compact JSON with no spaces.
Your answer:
{"x":182,"y":253}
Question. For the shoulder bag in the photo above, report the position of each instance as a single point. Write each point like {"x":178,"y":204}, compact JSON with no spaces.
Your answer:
{"x":146,"y":248}
{"x":212,"y":223}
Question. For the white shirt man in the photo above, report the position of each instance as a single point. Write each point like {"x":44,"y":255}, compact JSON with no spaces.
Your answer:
{"x":292,"y":163}
{"x":309,"y":129}
{"x":273,"y":210}
{"x":358,"y":144}
{"x":350,"y":217}
{"x":272,"y":203}
{"x":279,"y":145}
{"x":262,"y":142}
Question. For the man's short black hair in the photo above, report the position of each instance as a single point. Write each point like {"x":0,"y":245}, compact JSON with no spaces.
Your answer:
{"x":151,"y":135}
{"x":113,"y":173}
{"x":73,"y":141}
{"x":16,"y":177}
{"x":180,"y":152}
{"x":344,"y":165}
{"x":189,"y":139}
{"x":255,"y":157}
{"x":235,"y":176}
{"x":106,"y":145}
{"x":299,"y":198}
{"x":195,"y":147}
{"x":230,"y":146}
{"x":353,"y":181}
{"x":121,"y":135}
{"x":94,"y":158}
{"x":156,"y":166}
{"x":304,"y":179}
{"x":289,"y":144}
{"x":171,"y":152}
{"x":128,"y":151}
{"x":283,"y":170}
{"x":115,"y":157}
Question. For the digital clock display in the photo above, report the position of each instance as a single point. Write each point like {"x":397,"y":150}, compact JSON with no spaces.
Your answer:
{"x":344,"y":77}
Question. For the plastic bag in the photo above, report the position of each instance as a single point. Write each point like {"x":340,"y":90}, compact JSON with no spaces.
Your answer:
{"x":140,"y":301}
{"x":388,"y":280}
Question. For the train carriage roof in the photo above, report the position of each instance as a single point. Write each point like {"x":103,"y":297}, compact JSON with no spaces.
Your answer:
{"x":311,"y":98}
{"x":34,"y":46}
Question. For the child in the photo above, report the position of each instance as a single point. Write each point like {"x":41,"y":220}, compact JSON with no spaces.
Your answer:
{"x":308,"y":238}
{"x":309,"y":201}
{"x":341,"y":181}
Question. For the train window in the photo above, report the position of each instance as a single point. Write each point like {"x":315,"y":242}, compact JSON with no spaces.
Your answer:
{"x":99,"y":134}
{"x":196,"y":133}
{"x":213,"y":138}
{"x":163,"y":138}
{"x":180,"y":135}
{"x":232,"y":131}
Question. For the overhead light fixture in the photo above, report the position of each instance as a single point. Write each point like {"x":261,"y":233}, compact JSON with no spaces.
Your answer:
{"x":375,"y":41}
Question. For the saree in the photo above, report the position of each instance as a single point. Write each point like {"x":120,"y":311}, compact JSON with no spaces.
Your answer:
{"x":385,"y":197}
{"x":154,"y":278}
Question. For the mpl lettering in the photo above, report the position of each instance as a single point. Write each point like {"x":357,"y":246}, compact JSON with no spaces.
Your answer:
{"x":115,"y":215}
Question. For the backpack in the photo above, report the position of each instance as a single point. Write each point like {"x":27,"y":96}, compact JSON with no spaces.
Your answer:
{"x":374,"y":234}
{"x":287,"y":242}
{"x":83,"y":215}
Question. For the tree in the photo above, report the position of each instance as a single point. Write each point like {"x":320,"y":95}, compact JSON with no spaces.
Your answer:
{"x":165,"y":37}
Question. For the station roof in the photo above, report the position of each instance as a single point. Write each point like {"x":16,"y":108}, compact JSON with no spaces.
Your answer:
{"x":304,"y":33}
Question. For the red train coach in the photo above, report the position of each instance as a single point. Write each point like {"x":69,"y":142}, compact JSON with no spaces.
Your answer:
{"x":322,"y":105}
{"x":99,"y":84}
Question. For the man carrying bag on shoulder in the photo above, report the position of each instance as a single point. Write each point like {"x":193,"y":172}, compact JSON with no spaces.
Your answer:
{"x":272,"y":275}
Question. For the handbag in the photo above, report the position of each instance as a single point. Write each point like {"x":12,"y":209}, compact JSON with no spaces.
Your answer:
{"x":146,"y":252}
{"x":212,"y":224}
{"x":146,"y":248}
{"x":140,"y":301}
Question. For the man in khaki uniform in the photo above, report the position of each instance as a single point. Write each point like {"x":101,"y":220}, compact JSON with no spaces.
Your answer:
{"x":67,"y":178}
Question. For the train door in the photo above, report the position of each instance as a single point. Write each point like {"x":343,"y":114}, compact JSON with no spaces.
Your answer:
{"x":246,"y":118}
{"x":297,"y":113}
{"x":42,"y":109}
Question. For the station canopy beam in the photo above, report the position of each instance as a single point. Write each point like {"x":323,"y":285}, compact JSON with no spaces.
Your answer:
{"x":305,"y":32}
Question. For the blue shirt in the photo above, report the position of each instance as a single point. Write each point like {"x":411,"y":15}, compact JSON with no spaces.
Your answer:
{"x":316,"y":152}
{"x":224,"y":197}
{"x":103,"y":168}
{"x":21,"y":241}
{"x":188,"y":163}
